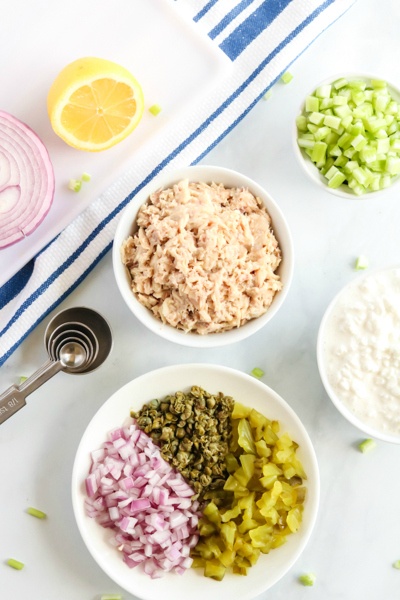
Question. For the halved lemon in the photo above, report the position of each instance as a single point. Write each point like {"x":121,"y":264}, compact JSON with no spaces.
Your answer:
{"x":94,"y":103}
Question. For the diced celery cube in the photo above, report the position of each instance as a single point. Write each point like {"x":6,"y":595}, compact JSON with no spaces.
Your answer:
{"x":301,"y":122}
{"x":332,"y":122}
{"x":359,"y":142}
{"x":382,"y":145}
{"x":324,"y":91}
{"x":393,"y":165}
{"x":342,"y":111}
{"x":360,"y":175}
{"x":378,"y":84}
{"x":331,"y":172}
{"x":361,"y":263}
{"x":337,"y":180}
{"x":340,"y":83}
{"x":380,"y":102}
{"x":341,"y":161}
{"x":316,"y":118}
{"x":334,"y":151}
{"x":319,"y":152}
{"x":357,"y":84}
{"x":322,"y":133}
{"x":312,"y":104}
{"x":305,"y":143}
{"x":345,"y":141}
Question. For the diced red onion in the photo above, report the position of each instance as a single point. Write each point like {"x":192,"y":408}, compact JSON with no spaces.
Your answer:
{"x":134,"y":491}
{"x":26,"y":180}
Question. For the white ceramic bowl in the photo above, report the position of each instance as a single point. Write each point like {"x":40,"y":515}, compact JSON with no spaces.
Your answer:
{"x":310,"y":168}
{"x":341,"y":305}
{"x":270,"y":568}
{"x":206,"y":174}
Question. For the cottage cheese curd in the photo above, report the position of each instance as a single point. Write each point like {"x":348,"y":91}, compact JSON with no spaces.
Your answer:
{"x":361,"y":349}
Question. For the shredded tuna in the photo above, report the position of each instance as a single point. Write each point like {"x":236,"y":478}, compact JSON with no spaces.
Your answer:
{"x":204,"y":257}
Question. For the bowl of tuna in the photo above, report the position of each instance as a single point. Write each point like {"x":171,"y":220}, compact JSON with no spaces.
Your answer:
{"x":203,"y":256}
{"x":195,"y":481}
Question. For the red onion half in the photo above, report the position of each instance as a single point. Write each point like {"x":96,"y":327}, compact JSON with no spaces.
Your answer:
{"x":26,"y":180}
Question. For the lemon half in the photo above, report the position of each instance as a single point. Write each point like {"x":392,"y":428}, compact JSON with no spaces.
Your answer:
{"x":94,"y":103}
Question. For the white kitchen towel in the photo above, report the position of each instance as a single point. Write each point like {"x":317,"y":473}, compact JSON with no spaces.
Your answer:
{"x":261,"y":38}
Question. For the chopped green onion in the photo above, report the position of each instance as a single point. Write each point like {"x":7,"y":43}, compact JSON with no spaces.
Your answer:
{"x":75,"y":185}
{"x":15,"y":564}
{"x":257,"y":372}
{"x":307,"y":579}
{"x":361,"y":263}
{"x":367,"y":445}
{"x":287,"y":77}
{"x":22,"y":379}
{"x":111,"y":597}
{"x":86,"y":177}
{"x":356,"y":120}
{"x":36,"y":513}
{"x":155,"y":109}
{"x":396,"y":564}
{"x":267,"y":95}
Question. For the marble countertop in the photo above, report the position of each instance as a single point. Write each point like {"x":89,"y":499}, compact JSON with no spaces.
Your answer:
{"x":356,"y":538}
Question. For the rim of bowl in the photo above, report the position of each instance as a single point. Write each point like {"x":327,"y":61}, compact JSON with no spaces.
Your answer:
{"x":281,"y":231}
{"x":341,"y":407}
{"x":308,"y":166}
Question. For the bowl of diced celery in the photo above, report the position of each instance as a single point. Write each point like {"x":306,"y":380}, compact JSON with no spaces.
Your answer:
{"x":347,"y":135}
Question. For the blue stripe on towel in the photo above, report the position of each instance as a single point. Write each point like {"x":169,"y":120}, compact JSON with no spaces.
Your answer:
{"x":204,"y":10}
{"x":13,"y":286}
{"x":151,"y":175}
{"x":229,"y":18}
{"x":251,"y":28}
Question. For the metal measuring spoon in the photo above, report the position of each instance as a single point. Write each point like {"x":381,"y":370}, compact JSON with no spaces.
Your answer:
{"x":90,"y":322}
{"x":71,"y":357}
{"x":79,"y":330}
{"x":71,"y":335}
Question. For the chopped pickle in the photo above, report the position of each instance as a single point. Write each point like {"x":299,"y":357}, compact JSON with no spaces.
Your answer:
{"x":262,"y":500}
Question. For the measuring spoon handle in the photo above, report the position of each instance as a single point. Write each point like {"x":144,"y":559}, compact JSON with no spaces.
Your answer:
{"x":13,"y":399}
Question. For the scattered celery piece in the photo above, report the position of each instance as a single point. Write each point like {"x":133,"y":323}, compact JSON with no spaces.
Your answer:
{"x":361,"y":263}
{"x":39,"y":514}
{"x":22,"y":379}
{"x":307,"y":579}
{"x":287,"y":77}
{"x":111,"y":597}
{"x":86,"y":177}
{"x":155,"y":109}
{"x":15,"y":564}
{"x":75,"y":185}
{"x":367,"y":445}
{"x":257,"y":372}
{"x":396,"y":564}
{"x":267,"y":95}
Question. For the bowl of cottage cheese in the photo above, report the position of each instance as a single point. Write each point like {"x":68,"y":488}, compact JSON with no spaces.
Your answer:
{"x":358,"y":353}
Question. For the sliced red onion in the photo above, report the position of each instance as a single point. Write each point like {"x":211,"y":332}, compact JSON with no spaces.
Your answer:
{"x":134,"y":491}
{"x":26,"y":180}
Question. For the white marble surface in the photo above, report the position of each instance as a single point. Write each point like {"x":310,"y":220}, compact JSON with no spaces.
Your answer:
{"x":357,"y":534}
